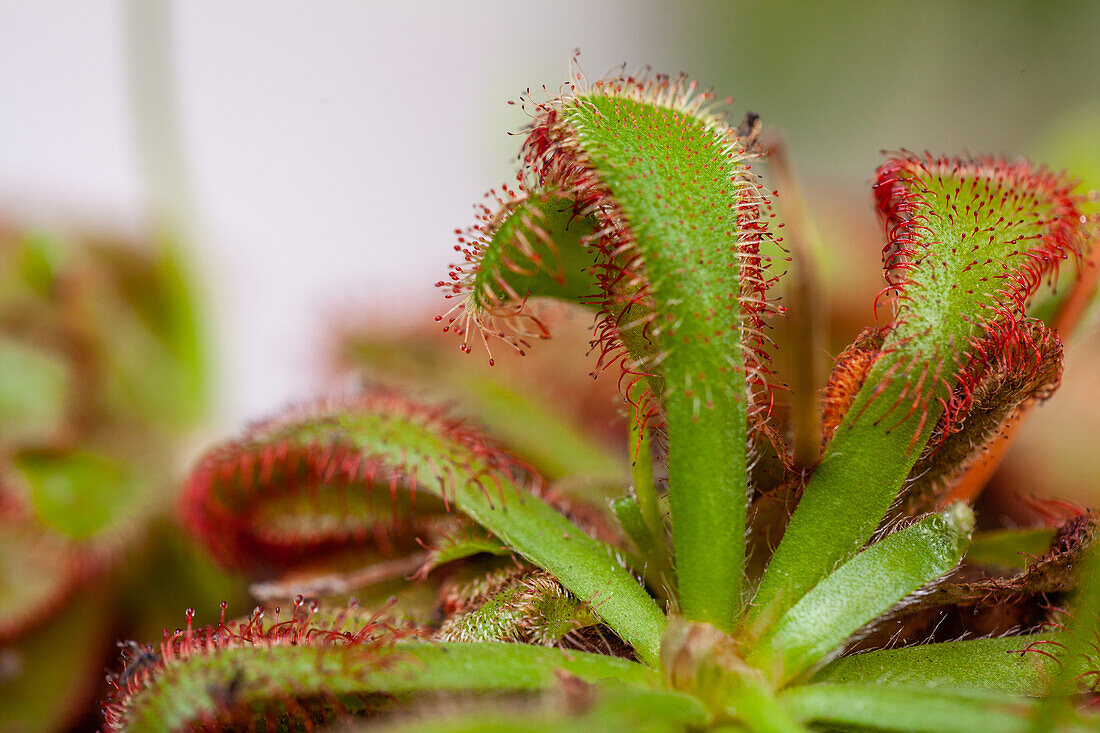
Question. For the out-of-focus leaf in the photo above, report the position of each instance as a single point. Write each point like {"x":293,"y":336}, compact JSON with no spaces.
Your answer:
{"x":34,"y":391}
{"x":80,"y":494}
{"x":38,"y":571}
{"x":148,"y":318}
{"x":1009,"y":549}
{"x":51,"y":675}
{"x":540,"y":406}
{"x":382,"y":442}
{"x":580,"y":707}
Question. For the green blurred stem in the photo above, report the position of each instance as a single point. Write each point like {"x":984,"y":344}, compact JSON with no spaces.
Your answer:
{"x":154,"y":99}
{"x":558,"y":448}
{"x":806,"y":310}
{"x":641,"y":470}
{"x":760,"y":712}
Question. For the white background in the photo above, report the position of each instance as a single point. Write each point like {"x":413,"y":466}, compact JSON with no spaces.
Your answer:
{"x":330,"y":149}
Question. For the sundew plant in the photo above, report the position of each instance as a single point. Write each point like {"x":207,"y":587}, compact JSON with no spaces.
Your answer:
{"x":776,"y":557}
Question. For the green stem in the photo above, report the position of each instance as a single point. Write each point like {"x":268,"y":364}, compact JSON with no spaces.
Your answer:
{"x":759,"y":711}
{"x":641,"y":470}
{"x":708,"y":503}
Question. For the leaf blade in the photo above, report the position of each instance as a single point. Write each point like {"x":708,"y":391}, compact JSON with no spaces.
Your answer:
{"x":862,"y":589}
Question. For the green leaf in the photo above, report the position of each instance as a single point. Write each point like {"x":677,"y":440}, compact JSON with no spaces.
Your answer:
{"x":907,"y":709}
{"x":535,"y":245}
{"x":999,"y":665}
{"x":537,"y":249}
{"x":861,"y":590}
{"x":46,"y":674}
{"x":690,"y":240}
{"x":1079,"y":650}
{"x":970,"y":241}
{"x":383,"y":439}
{"x":34,"y":392}
{"x":252,"y":670}
{"x":80,"y":494}
{"x":585,"y":566}
{"x":677,"y":230}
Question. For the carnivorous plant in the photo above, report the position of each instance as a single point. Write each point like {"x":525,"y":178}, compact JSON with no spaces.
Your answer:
{"x":762,"y":564}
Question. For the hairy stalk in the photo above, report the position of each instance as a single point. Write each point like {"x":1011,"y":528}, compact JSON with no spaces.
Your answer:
{"x":680,"y":287}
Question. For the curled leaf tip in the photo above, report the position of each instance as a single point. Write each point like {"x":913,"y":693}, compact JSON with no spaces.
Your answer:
{"x":577,"y":227}
{"x":969,"y":242}
{"x":368,"y":469}
{"x":955,"y":222}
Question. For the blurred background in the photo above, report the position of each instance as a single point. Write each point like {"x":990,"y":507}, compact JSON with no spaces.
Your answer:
{"x":310,"y":162}
{"x":322,"y":153}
